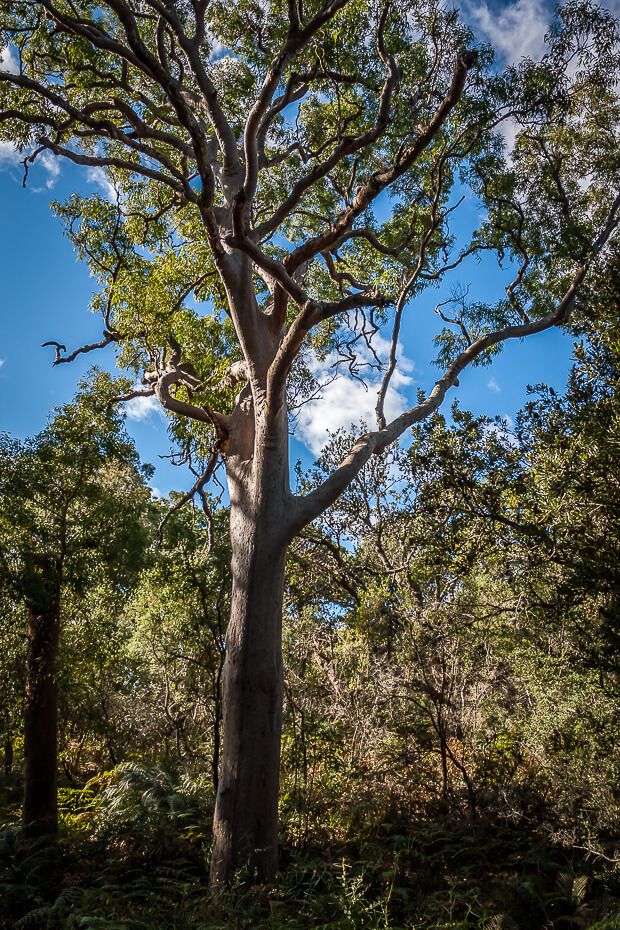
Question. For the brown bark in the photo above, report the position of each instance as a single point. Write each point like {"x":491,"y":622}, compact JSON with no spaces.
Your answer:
{"x":40,"y":812}
{"x":245,"y":827}
{"x":217,"y":724}
{"x":8,"y":751}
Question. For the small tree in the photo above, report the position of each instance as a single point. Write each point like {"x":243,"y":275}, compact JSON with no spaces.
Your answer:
{"x":70,"y":511}
{"x":304,"y":186}
{"x":179,"y":613}
{"x":11,"y":678}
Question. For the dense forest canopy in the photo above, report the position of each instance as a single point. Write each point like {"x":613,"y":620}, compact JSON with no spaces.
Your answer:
{"x":415,"y":648}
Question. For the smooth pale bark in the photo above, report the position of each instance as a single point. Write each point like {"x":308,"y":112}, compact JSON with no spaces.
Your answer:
{"x":40,"y":812}
{"x":264,"y":516}
{"x":246,"y":816}
{"x":245,"y":827}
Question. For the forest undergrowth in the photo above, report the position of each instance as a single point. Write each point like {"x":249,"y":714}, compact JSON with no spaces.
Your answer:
{"x":450,"y":730}
{"x":132,"y":854}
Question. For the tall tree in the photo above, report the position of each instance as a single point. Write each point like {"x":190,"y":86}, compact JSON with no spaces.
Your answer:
{"x":71,"y":501}
{"x":260,"y":181}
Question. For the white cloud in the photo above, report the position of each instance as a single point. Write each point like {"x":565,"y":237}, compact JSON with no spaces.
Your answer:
{"x":509,"y":129}
{"x":345,"y":401}
{"x":98,"y":177}
{"x":502,"y":429}
{"x":12,"y":157}
{"x":216,"y":48}
{"x":141,"y":408}
{"x":9,"y":155}
{"x":157,"y":494}
{"x":51,"y":164}
{"x":9,"y":61}
{"x":516,"y":30}
{"x":2,"y":361}
{"x":493,"y":386}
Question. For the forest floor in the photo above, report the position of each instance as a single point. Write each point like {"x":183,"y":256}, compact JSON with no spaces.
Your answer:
{"x":441,"y":875}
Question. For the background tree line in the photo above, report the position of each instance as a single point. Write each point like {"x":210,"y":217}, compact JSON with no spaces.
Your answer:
{"x":451,"y":691}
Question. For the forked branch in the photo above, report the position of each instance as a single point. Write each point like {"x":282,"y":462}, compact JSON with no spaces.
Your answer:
{"x":312,"y":505}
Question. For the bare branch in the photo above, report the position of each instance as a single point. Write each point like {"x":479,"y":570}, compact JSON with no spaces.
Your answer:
{"x":108,"y":337}
{"x":312,"y":313}
{"x":132,"y":395}
{"x":309,"y":507}
{"x":197,"y":488}
{"x":174,"y":373}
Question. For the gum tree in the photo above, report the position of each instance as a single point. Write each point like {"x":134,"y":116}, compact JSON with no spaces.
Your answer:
{"x":283,"y":178}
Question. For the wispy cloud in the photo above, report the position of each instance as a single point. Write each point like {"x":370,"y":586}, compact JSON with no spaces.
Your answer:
{"x":216,"y":48}
{"x":493,"y":386}
{"x":51,"y":165}
{"x":12,"y":157}
{"x":501,"y":428}
{"x":516,"y":30}
{"x":345,"y":401}
{"x":2,"y":361}
{"x":141,"y":408}
{"x":9,"y":155}
{"x":8,"y":61}
{"x":98,"y":177}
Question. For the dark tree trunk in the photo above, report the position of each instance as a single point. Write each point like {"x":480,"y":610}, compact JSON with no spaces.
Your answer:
{"x":245,"y":828}
{"x":217,"y":723}
{"x":40,"y":814}
{"x":8,"y":751}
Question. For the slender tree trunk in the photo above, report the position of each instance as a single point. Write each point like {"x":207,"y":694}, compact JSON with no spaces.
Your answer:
{"x":245,"y":828}
{"x":40,"y":814}
{"x":8,"y":750}
{"x":217,"y":723}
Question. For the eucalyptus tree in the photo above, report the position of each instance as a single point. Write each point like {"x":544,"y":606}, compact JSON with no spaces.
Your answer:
{"x":286,"y":177}
{"x":71,"y":504}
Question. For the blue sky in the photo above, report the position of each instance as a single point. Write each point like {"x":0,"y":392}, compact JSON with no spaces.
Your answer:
{"x":44,"y":294}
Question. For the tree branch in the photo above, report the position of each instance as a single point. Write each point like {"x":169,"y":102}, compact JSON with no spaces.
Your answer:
{"x":377,"y":183}
{"x":108,"y":337}
{"x":309,"y":507}
{"x":197,"y":488}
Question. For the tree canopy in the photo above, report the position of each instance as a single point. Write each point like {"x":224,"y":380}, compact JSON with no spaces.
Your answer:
{"x":298,"y":172}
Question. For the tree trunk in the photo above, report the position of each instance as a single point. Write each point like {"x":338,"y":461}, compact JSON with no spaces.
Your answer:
{"x":245,"y":826}
{"x":217,"y":723}
{"x":40,"y":814}
{"x":8,"y":751}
